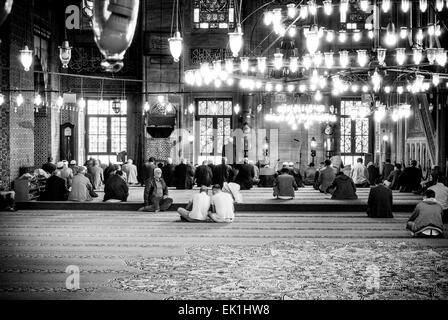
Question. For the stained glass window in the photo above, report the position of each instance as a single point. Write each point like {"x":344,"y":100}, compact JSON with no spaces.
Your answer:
{"x":106,"y":130}
{"x":206,"y":134}
{"x":213,"y":14}
{"x":215,"y":107}
{"x":354,"y":132}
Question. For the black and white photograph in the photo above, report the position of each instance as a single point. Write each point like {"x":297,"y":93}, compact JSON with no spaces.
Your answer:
{"x":191,"y":151}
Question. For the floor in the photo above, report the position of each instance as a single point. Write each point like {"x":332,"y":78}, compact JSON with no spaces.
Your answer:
{"x":269,"y":255}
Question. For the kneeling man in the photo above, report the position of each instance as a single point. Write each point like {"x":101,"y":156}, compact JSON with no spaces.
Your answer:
{"x":197,"y":209}
{"x":222,"y":205}
{"x":156,"y":194}
{"x":427,"y":213}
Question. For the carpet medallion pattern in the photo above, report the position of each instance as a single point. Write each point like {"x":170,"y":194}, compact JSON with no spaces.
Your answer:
{"x":295,"y":270}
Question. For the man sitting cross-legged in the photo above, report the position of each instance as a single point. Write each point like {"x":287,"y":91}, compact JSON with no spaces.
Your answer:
{"x":427,"y":213}
{"x":284,"y":185}
{"x":222,"y":206}
{"x":156,"y":194}
{"x":197,"y":209}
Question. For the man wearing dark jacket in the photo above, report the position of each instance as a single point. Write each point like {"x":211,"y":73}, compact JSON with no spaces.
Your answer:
{"x":380,"y":202}
{"x":387,"y":169}
{"x":183,"y":175}
{"x":222,"y":173}
{"x":50,"y":166}
{"x":55,"y":188}
{"x":394,"y":178}
{"x":156,"y":194}
{"x":116,"y":187}
{"x":284,"y":185}
{"x":168,"y":172}
{"x":203,"y":175}
{"x":344,"y":188}
{"x":411,"y":178}
{"x":246,"y":174}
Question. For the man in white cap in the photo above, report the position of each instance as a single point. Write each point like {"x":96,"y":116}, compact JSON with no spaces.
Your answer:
{"x":131,"y":172}
{"x":74,"y":167}
{"x":66,"y":173}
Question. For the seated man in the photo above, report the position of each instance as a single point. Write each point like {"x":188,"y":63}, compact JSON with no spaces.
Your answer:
{"x":326,"y":177}
{"x":197,"y":208}
{"x":7,"y":201}
{"x":310,"y":175}
{"x":81,"y":187}
{"x":222,"y":205}
{"x":55,"y":188}
{"x":116,"y":189}
{"x":344,"y":188}
{"x":156,"y":194}
{"x":360,"y":174}
{"x":441,"y":191}
{"x":379,"y":204}
{"x":284,"y":185}
{"x":428,"y":213}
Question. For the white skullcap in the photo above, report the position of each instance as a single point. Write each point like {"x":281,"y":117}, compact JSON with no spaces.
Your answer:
{"x":60,"y":165}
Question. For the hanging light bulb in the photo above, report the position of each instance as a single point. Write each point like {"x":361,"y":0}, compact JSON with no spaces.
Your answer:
{"x":236,"y":40}
{"x":60,"y":101}
{"x":317,"y":59}
{"x":26,"y":58}
{"x":20,"y":100}
{"x":318,"y":96}
{"x":439,"y":5}
{"x":244,"y":64}
{"x":261,"y":64}
{"x":437,"y":30}
{"x":356,"y":35}
{"x":419,"y":36}
{"x":403,"y":32}
{"x":344,"y":58}
{"x":312,"y":40}
{"x":267,"y":18}
{"x":385,"y":5}
{"x":81,"y":104}
{"x":376,"y":81}
{"x":329,"y":59}
{"x":65,"y":54}
{"x":354,"y":87}
{"x":175,"y":44}
{"x":441,"y":56}
{"x":114,"y":25}
{"x":401,"y":56}
{"x":417,"y":55}
{"x":391,"y":37}
{"x":328,"y":7}
{"x":229,"y":65}
{"x":330,"y":36}
{"x":278,"y":60}
{"x":364,"y":5}
{"x":381,"y":55}
{"x":343,"y":7}
{"x":278,"y":87}
{"x":380,"y":113}
{"x":400,"y":90}
{"x":236,"y":108}
{"x":405,"y":5}
{"x":268,"y":87}
{"x":276,"y":17}
{"x":2,"y":99}
{"x":312,"y":7}
{"x":293,"y":64}
{"x":314,"y":77}
{"x":370,"y":34}
{"x":303,"y":12}
{"x":363,"y":58}
{"x":307,"y":61}
{"x":292,"y":31}
{"x":435,"y":79}
{"x":342,"y":36}
{"x":290,"y":88}
{"x":37,"y":100}
{"x":423,"y":4}
{"x":431,"y":55}
{"x":365,"y":88}
{"x":191,"y":108}
{"x":292,"y":10}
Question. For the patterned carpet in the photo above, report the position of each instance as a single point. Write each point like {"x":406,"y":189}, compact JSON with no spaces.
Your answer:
{"x":295,"y":270}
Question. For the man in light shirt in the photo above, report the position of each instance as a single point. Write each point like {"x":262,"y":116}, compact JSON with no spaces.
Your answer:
{"x":360,"y":175}
{"x":441,"y":192}
{"x":222,"y":204}
{"x":197,"y":209}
